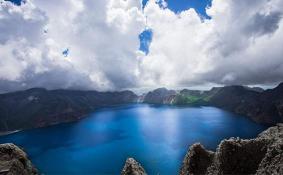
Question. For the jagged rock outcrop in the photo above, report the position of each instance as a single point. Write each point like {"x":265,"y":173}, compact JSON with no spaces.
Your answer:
{"x":14,"y":161}
{"x":262,"y":155}
{"x":197,"y":160}
{"x":272,"y":163}
{"x":132,"y":167}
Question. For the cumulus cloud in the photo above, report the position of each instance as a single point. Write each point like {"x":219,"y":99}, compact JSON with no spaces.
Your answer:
{"x":101,"y":38}
{"x":240,"y":44}
{"x":248,"y":42}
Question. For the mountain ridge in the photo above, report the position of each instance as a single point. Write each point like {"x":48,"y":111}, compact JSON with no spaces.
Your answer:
{"x":261,"y":106}
{"x":39,"y":107}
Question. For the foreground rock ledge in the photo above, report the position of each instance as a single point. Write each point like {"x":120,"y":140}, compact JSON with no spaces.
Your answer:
{"x":132,"y":167}
{"x":260,"y":156}
{"x":14,"y":161}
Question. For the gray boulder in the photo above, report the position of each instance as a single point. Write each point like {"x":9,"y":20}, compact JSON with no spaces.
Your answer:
{"x":14,"y":161}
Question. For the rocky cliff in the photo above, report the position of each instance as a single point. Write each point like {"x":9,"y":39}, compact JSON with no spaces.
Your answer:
{"x":14,"y":161}
{"x":160,"y":96}
{"x":260,"y":156}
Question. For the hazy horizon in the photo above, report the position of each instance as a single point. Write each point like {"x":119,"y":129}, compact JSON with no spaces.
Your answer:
{"x":143,"y":90}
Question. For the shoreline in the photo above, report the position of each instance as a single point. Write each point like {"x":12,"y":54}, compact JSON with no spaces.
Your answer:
{"x":4,"y":133}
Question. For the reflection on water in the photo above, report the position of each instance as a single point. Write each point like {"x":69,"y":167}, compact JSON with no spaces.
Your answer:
{"x":157,"y":136}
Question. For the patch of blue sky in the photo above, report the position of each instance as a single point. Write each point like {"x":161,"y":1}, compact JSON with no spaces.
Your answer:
{"x":145,"y":40}
{"x":17,"y":2}
{"x":66,"y":52}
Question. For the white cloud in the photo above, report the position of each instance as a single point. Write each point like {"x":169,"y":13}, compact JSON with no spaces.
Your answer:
{"x":240,"y":44}
{"x":102,"y":38}
{"x":177,"y":52}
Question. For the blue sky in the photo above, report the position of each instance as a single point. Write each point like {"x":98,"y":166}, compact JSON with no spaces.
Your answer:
{"x":145,"y":40}
{"x":18,"y":2}
{"x":180,"y":5}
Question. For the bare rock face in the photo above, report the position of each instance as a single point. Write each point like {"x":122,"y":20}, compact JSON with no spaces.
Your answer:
{"x":132,"y":167}
{"x":273,"y":160}
{"x":14,"y":161}
{"x":160,"y":96}
{"x":262,"y":155}
{"x":197,"y":160}
{"x":272,"y":163}
{"x":236,"y":156}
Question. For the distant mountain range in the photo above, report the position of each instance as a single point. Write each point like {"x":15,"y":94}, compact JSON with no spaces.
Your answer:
{"x":39,"y":107}
{"x":262,"y":106}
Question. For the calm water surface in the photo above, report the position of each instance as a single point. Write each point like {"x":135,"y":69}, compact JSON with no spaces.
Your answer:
{"x":157,"y":136}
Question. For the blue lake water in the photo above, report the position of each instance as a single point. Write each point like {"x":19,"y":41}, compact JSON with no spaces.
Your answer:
{"x":157,"y":136}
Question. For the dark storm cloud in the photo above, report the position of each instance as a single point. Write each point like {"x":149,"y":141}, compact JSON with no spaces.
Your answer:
{"x":262,"y":24}
{"x":53,"y":79}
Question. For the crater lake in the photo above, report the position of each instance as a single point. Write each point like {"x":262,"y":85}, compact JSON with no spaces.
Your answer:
{"x":156,"y":136}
